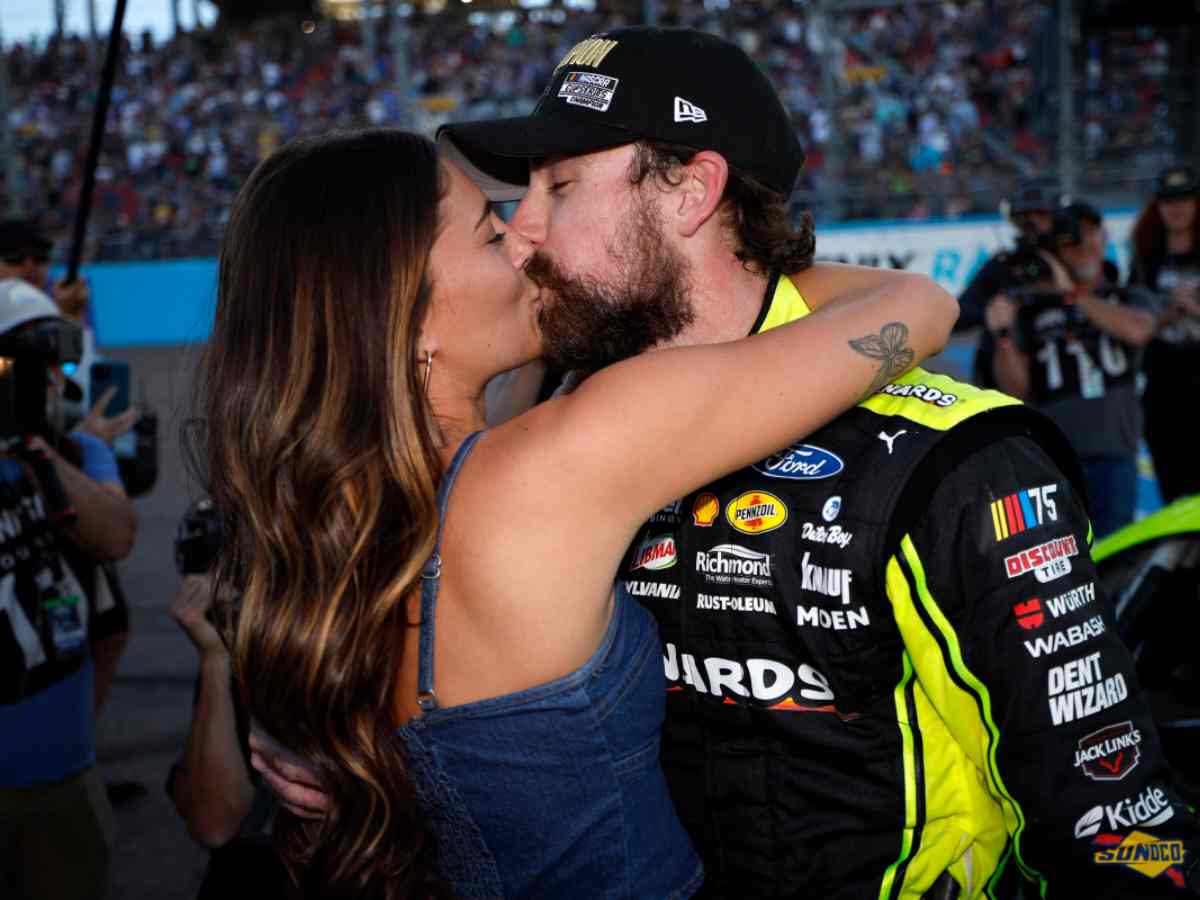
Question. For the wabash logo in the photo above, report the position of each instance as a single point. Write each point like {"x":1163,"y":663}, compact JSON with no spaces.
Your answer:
{"x":1047,"y":561}
{"x":1110,"y":753}
{"x":1029,"y":614}
{"x":762,"y":682}
{"x":1142,"y":852}
{"x":756,"y":512}
{"x":655,"y":554}
{"x":704,"y":510}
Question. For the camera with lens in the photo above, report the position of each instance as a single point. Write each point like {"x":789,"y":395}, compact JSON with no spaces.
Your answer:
{"x":199,"y":538}
{"x":27,"y":355}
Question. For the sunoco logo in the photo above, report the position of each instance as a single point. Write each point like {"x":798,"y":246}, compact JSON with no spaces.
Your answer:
{"x":756,"y":512}
{"x":801,"y":462}
{"x":654,"y":554}
{"x":1144,"y":853}
{"x":1110,"y":753}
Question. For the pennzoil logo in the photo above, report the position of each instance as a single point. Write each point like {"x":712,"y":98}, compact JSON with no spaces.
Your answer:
{"x":705,"y":510}
{"x":1142,"y":852}
{"x":655,"y":554}
{"x":756,"y":512}
{"x":587,"y":53}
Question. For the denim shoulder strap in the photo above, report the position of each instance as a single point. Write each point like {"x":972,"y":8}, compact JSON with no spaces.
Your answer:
{"x":426,"y":697}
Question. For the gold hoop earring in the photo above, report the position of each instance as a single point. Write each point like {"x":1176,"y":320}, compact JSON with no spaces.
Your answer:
{"x":428,"y":368}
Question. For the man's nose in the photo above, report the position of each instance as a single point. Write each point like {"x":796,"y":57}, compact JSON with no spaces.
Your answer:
{"x":519,"y":247}
{"x":529,"y":220}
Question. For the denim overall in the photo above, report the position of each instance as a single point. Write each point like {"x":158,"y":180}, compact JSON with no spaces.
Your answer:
{"x":555,"y":791}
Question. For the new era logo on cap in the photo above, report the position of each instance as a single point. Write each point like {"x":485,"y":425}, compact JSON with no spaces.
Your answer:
{"x":688,"y":112}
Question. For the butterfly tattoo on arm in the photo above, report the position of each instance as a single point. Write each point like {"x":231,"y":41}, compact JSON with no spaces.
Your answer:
{"x":891,"y":348}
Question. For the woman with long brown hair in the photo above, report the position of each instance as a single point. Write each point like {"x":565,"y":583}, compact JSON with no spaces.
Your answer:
{"x":507,"y":744}
{"x":1166,"y":259}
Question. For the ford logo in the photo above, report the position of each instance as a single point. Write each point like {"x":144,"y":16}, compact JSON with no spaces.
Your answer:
{"x":801,"y":462}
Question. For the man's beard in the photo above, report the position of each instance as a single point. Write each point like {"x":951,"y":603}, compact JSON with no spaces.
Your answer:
{"x":588,"y":323}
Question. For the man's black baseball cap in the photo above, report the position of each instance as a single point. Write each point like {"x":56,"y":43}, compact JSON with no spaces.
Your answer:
{"x":1177,"y":181}
{"x":1036,"y":195}
{"x":674,"y":85}
{"x":1065,"y":231}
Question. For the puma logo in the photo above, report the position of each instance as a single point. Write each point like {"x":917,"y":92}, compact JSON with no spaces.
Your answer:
{"x":890,"y":439}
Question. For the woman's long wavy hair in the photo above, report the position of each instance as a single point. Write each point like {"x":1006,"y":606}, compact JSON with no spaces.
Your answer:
{"x":1149,"y":237}
{"x":321,"y":454}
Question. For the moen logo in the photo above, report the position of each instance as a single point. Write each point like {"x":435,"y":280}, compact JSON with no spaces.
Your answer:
{"x":1029,"y":614}
{"x":756,"y":512}
{"x":655,"y":554}
{"x":801,"y":462}
{"x":1110,"y":753}
{"x":705,"y":510}
{"x":1142,"y":852}
{"x":1019,"y":512}
{"x":1047,"y":561}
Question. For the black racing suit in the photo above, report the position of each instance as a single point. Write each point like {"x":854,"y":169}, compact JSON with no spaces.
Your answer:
{"x":890,"y":666}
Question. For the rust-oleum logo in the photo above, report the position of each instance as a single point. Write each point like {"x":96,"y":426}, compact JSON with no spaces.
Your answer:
{"x":655,"y":554}
{"x":756,"y":512}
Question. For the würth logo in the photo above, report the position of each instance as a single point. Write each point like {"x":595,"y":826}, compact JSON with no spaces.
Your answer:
{"x":688,"y":112}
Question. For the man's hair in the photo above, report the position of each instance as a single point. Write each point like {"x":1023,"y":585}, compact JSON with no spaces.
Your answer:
{"x":764,"y":237}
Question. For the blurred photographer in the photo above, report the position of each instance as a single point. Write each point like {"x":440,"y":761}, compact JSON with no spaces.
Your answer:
{"x":1071,"y":345}
{"x":1031,"y":212}
{"x":56,"y":825}
{"x":212,"y":786}
{"x":1166,"y":260}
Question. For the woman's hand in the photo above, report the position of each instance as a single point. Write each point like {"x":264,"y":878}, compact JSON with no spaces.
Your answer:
{"x":295,"y":782}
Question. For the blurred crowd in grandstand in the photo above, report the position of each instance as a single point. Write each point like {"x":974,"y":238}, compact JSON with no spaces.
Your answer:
{"x":929,"y":94}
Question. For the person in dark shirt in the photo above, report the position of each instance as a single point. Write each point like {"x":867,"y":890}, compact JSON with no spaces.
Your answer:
{"x":1031,"y":212}
{"x":1072,"y":348}
{"x":1166,"y":259}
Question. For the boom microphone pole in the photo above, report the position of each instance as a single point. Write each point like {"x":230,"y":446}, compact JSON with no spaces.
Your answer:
{"x":99,"y":118}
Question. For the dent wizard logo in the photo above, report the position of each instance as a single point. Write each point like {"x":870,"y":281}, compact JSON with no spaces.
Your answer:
{"x":801,"y":462}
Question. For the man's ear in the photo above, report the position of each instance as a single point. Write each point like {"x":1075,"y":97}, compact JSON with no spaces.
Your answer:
{"x":700,"y":192}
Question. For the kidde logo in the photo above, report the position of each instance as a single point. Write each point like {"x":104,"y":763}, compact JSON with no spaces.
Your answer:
{"x":1029,"y":614}
{"x":801,"y":462}
{"x":1110,"y":753}
{"x":704,"y":510}
{"x":1150,"y":807}
{"x":756,"y":512}
{"x":1047,"y":561}
{"x":655,"y":553}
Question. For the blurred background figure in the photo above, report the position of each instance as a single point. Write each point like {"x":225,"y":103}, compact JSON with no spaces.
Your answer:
{"x":212,"y":785}
{"x":1071,"y":345}
{"x":1166,"y":260}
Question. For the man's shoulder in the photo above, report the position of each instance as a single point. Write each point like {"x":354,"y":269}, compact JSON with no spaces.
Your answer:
{"x":934,"y":400}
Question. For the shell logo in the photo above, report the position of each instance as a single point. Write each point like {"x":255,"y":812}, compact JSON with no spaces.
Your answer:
{"x":705,"y":510}
{"x":756,"y":512}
